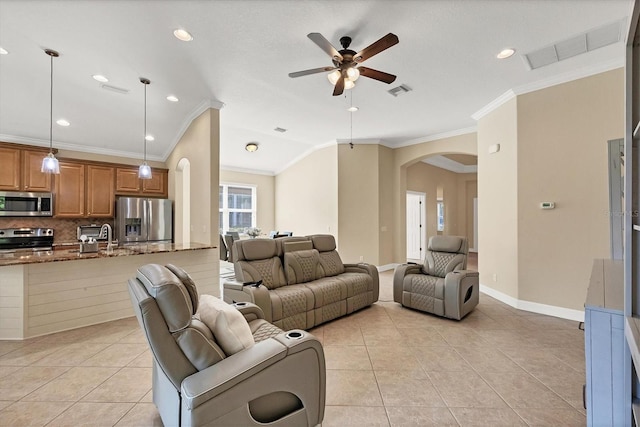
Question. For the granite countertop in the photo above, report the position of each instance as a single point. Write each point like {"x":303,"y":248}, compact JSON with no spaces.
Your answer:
{"x":70,"y":252}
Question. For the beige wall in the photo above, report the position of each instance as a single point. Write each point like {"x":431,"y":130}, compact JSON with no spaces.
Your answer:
{"x":306,"y":195}
{"x":386,"y":211}
{"x":562,"y":157}
{"x":200,"y":144}
{"x":358,"y":203}
{"x":497,"y":199}
{"x":265,"y":195}
{"x":467,"y":191}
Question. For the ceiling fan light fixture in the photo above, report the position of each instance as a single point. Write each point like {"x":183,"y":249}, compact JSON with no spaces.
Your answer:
{"x":353,"y":74}
{"x":334,"y":76}
{"x":251,"y":147}
{"x":349,"y":84}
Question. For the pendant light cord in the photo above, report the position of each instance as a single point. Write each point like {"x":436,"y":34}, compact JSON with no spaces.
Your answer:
{"x":51,"y":108}
{"x":351,"y":121}
{"x":145,"y":123}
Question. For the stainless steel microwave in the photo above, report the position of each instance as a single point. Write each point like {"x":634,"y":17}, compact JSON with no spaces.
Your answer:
{"x":25,"y":204}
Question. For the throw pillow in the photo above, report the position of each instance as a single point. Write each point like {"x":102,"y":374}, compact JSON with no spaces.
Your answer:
{"x":228,"y":325}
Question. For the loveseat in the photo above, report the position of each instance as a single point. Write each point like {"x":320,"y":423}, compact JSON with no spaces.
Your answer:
{"x":299,"y":282}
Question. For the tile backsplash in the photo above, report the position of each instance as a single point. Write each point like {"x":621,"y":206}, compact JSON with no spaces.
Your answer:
{"x":64,"y":229}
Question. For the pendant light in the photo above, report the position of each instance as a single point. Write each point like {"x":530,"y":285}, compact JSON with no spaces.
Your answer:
{"x":144,"y":172}
{"x":50,"y":163}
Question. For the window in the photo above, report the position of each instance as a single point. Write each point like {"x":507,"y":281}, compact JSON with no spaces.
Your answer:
{"x":440,"y":216}
{"x":237,"y":207}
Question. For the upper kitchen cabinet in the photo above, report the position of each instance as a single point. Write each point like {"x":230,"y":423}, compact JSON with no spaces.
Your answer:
{"x":128,"y":183}
{"x":33,"y":179}
{"x":84,"y":190}
{"x":100,"y":191}
{"x":10,"y":170}
{"x":21,"y":170}
{"x":70,"y":191}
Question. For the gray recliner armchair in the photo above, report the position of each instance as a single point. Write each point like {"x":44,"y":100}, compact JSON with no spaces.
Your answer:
{"x":202,"y":374}
{"x":441,"y":285}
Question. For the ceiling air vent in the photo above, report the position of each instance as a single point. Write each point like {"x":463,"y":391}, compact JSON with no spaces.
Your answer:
{"x":399,"y":90}
{"x":115,"y":89}
{"x":576,"y":45}
{"x":281,"y":130}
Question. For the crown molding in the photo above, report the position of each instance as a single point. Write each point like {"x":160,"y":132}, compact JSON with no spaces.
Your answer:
{"x":200,"y":108}
{"x":548,"y":82}
{"x":246,"y":170}
{"x":79,"y":148}
{"x":436,"y":136}
{"x":450,"y":165}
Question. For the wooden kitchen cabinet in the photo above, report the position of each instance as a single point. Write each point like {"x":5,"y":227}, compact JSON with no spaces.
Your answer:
{"x":157,"y":185}
{"x":21,"y":170}
{"x":32,"y":177}
{"x":100,"y":191}
{"x":69,"y":201}
{"x":128,"y":183}
{"x":10,"y":170}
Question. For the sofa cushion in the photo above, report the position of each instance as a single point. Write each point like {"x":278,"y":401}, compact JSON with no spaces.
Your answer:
{"x":291,"y":307}
{"x":302,"y":266}
{"x":439,"y":264}
{"x":330,"y":260}
{"x":229,"y":327}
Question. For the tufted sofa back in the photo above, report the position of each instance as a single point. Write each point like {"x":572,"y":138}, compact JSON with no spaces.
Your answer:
{"x":445,"y":254}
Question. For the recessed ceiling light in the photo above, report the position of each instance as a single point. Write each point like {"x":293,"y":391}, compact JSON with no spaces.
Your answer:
{"x":352,"y":109}
{"x":149,"y":138}
{"x":505,"y":53}
{"x":100,"y":78}
{"x":172,"y":98}
{"x":251,"y":147}
{"x":63,"y":122}
{"x":3,"y":51}
{"x":183,"y":35}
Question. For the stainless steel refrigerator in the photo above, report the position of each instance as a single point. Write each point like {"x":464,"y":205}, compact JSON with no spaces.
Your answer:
{"x":142,"y":219}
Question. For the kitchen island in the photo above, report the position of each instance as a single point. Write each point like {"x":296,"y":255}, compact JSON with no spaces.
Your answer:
{"x":51,"y":291}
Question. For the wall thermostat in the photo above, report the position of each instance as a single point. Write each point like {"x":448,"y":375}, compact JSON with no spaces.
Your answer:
{"x":547,"y":205}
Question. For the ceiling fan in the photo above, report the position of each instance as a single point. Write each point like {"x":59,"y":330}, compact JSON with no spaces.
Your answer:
{"x":345,"y":70}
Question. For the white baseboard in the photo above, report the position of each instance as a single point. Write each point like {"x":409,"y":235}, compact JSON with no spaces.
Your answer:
{"x":387,"y":267}
{"x":534,"y":307}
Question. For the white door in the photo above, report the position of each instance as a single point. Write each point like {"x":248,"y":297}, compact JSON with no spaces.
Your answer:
{"x":416,"y":225}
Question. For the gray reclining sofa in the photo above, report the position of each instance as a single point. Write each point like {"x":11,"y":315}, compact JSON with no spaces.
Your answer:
{"x":299,"y":282}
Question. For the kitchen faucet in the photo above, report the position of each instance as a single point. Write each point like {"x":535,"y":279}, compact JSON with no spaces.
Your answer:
{"x":109,"y":236}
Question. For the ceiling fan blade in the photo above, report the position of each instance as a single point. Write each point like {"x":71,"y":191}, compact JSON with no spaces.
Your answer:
{"x":339,"y":87}
{"x":311,"y":71}
{"x":375,"y":48}
{"x":377,"y":75}
{"x":325,"y":45}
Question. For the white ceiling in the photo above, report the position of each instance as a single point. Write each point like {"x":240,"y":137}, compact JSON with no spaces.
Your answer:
{"x":241,"y":54}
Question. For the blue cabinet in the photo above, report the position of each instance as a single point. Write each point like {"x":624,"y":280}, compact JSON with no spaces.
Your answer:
{"x":605,"y":345}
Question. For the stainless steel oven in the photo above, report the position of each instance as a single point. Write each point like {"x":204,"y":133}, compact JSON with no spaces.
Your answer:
{"x":14,"y":203}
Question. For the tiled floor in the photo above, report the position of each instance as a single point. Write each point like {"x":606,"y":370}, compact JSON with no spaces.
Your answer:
{"x":386,"y":365}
